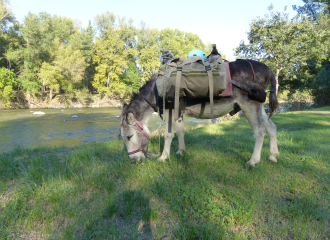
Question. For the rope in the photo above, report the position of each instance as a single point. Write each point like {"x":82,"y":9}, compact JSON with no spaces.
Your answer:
{"x":254,"y":75}
{"x":169,"y":56}
{"x":164,"y":91}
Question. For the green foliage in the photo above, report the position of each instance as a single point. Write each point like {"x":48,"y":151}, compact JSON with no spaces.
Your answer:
{"x":7,"y":85}
{"x":321,"y":85}
{"x":314,"y":8}
{"x":84,"y":42}
{"x":131,"y":78}
{"x":179,"y":42}
{"x":113,"y":50}
{"x":285,"y":44}
{"x":39,"y":33}
{"x":148,"y":52}
{"x":9,"y":38}
{"x":47,"y":53}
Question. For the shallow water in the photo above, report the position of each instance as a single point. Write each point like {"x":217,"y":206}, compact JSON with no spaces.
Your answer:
{"x":64,"y":127}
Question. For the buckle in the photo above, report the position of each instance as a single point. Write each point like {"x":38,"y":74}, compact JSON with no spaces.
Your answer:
{"x":208,"y":67}
{"x":179,"y":68}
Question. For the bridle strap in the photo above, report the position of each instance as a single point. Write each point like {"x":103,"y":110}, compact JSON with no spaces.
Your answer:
{"x":154,"y":106}
{"x":140,"y":127}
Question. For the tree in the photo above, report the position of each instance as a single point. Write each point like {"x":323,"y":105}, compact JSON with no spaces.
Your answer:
{"x":9,"y":38}
{"x":148,"y":52}
{"x":71,"y":66}
{"x":65,"y":72}
{"x":84,"y":42}
{"x":180,"y":42}
{"x":50,"y":76}
{"x":314,"y":9}
{"x":113,"y":49}
{"x":131,"y":78}
{"x":7,"y":85}
{"x":40,"y":33}
{"x":284,"y":44}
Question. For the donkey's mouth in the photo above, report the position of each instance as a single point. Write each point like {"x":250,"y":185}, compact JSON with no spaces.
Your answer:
{"x":137,"y":159}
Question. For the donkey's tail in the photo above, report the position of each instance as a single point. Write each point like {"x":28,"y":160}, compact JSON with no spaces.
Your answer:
{"x":273,"y":102}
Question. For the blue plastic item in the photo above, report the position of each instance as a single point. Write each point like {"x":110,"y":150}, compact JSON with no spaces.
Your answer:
{"x":197,"y":52}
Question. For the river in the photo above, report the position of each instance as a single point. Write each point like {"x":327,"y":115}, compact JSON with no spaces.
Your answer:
{"x":64,"y":127}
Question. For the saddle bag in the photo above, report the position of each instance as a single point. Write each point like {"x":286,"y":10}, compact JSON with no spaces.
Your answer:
{"x":192,"y":78}
{"x":257,"y":95}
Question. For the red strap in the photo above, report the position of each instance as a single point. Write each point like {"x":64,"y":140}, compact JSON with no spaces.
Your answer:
{"x":143,"y":134}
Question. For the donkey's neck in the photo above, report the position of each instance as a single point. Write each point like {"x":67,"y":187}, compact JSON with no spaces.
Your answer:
{"x":148,"y":103}
{"x":149,"y":109}
{"x":142,"y":104}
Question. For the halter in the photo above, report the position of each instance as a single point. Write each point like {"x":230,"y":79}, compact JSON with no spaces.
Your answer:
{"x":143,"y":135}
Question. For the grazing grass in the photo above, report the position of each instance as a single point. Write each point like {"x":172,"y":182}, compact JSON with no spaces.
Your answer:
{"x":92,"y":191}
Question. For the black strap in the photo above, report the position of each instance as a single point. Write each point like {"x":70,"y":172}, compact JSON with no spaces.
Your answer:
{"x":238,"y":85}
{"x":154,"y":106}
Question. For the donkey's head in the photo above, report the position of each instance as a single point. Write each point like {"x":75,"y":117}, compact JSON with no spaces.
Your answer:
{"x":135,"y":135}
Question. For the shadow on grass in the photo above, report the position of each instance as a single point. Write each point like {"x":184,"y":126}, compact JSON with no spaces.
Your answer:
{"x":127,"y":216}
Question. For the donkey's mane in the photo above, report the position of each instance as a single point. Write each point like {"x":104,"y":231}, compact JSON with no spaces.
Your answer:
{"x":144,"y":90}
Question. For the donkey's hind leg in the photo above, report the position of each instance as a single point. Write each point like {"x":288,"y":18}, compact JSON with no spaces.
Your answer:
{"x":179,"y":127}
{"x":251,"y":111}
{"x":271,"y":131}
{"x":169,"y":134}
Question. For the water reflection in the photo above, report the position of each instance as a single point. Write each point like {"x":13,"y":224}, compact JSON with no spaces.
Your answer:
{"x":63,"y":127}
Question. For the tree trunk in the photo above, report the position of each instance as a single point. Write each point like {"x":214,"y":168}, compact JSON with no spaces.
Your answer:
{"x":108,"y":83}
{"x":276,"y":77}
{"x":43,"y":91}
{"x":51,"y":94}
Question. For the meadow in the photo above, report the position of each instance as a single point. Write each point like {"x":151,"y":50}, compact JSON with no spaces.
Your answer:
{"x":92,"y":191}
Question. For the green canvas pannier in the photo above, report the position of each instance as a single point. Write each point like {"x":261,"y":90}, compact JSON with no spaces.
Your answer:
{"x":194,"y":77}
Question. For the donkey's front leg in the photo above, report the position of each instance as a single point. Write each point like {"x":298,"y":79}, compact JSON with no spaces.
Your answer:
{"x":179,"y":127}
{"x":169,"y":134}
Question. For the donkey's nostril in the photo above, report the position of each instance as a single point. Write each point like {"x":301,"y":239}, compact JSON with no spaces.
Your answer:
{"x":129,"y":137}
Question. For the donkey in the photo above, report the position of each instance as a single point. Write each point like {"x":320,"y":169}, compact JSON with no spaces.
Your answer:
{"x":251,"y":74}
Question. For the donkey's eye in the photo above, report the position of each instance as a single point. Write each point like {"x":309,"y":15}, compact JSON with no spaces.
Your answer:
{"x":129,"y":137}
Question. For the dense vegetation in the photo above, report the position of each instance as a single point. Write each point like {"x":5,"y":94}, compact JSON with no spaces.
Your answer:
{"x":48,"y":56}
{"x":93,"y":192}
{"x":297,"y":49}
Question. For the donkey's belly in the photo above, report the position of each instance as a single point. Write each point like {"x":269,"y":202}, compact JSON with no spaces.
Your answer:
{"x":203,"y":111}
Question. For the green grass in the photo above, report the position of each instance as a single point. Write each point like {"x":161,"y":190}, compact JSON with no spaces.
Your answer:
{"x":92,"y":191}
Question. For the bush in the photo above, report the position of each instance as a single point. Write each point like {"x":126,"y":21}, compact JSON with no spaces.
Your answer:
{"x":7,"y":85}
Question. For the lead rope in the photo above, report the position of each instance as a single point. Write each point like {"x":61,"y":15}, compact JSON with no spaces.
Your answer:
{"x":163,"y":122}
{"x":164,"y":79}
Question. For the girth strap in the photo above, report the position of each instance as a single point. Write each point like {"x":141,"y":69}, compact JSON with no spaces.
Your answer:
{"x":209,"y":72}
{"x":177,"y":93}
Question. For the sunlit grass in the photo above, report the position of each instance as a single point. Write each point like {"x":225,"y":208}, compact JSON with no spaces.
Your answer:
{"x":92,"y":191}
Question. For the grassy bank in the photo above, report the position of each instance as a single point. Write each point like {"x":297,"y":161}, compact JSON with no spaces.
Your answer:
{"x":93,"y":192}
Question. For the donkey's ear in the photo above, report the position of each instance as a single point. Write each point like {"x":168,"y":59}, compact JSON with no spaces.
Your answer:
{"x":123,"y":107}
{"x":130,"y":118}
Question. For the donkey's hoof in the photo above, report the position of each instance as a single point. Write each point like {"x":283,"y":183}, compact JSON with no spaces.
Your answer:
{"x":249,"y":164}
{"x":162,"y":159}
{"x":272,"y":158}
{"x":179,"y":152}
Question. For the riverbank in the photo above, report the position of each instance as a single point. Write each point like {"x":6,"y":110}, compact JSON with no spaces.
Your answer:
{"x":79,"y":100}
{"x":92,"y":191}
{"x":83,"y":99}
